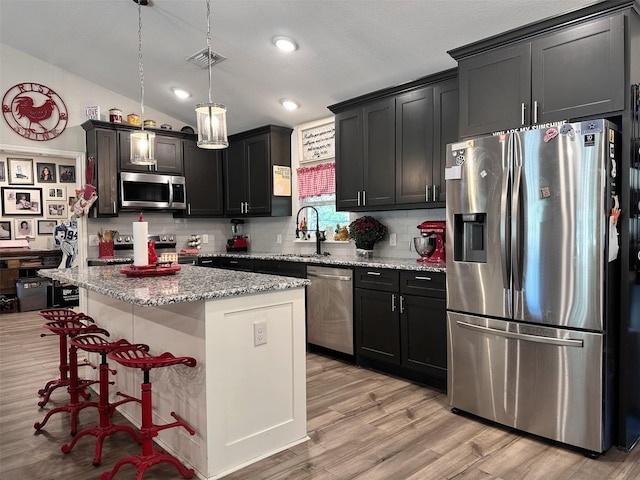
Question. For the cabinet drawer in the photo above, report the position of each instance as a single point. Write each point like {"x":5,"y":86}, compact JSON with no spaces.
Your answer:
{"x":274,"y":267}
{"x":377,"y":279}
{"x":243,"y":264}
{"x":429,"y":284}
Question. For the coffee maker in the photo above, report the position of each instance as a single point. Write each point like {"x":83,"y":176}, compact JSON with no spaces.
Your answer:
{"x":430,"y":243}
{"x":238,"y":242}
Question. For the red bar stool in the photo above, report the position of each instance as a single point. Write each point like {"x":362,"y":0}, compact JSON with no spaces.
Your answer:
{"x":135,"y":357}
{"x":72,"y":328}
{"x":58,"y":315}
{"x":97,"y":344}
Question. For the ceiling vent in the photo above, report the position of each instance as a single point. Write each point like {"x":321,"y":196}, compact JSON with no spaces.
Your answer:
{"x":202,"y":58}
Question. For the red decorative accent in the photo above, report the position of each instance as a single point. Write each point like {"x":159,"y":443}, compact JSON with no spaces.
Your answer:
{"x":149,"y":270}
{"x":317,"y":180}
{"x":135,"y":357}
{"x":34,"y":111}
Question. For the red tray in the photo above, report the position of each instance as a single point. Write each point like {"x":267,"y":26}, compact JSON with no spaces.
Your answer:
{"x":150,"y":270}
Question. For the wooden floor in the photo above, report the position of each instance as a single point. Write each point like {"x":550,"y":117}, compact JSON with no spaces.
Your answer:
{"x":361,"y":425}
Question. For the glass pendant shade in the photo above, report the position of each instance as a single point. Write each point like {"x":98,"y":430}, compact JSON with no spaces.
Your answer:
{"x":212,"y":125}
{"x":142,"y":142}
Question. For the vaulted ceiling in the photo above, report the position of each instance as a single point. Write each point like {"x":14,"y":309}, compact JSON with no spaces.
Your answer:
{"x":346,"y":47}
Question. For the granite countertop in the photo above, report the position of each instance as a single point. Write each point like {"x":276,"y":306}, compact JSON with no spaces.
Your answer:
{"x":189,"y":284}
{"x":328,"y":260}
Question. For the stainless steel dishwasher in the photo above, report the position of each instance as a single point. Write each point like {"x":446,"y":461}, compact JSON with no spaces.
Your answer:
{"x":330,"y":308}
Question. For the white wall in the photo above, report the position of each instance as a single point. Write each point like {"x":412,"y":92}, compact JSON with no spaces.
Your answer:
{"x":77,"y":93}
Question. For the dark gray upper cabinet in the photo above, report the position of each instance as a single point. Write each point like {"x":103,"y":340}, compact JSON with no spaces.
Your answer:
{"x":248,"y":172}
{"x":102,"y":148}
{"x":570,"y":72}
{"x":167,"y":150}
{"x":390,"y":145}
{"x":203,"y":176}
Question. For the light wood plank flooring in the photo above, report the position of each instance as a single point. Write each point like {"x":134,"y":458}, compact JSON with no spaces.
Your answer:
{"x":362,"y":425}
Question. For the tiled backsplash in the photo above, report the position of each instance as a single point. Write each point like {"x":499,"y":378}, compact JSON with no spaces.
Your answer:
{"x":263,"y":232}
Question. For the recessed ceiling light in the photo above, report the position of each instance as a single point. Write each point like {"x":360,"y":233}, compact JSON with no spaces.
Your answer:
{"x":285,"y":44}
{"x":289,"y":104}
{"x":181,"y":93}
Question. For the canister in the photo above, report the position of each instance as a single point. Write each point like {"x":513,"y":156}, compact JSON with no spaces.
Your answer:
{"x":115,"y":115}
{"x":133,"y":119}
{"x":150,"y":123}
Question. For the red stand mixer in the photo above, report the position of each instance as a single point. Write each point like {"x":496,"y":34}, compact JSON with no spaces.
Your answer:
{"x":430,"y":243}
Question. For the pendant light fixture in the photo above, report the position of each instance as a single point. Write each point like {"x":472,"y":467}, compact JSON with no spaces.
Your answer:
{"x":211,"y":117}
{"x":142,"y":141}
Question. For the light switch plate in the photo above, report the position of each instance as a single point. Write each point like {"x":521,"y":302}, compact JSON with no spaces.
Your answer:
{"x":393,"y":239}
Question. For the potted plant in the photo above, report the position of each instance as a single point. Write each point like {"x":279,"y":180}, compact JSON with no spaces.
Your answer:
{"x":366,"y":231}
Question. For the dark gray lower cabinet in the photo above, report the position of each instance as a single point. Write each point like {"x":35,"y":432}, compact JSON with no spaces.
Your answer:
{"x":400,"y":324}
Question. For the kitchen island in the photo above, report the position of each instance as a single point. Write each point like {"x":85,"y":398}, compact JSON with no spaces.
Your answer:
{"x":246,"y":397}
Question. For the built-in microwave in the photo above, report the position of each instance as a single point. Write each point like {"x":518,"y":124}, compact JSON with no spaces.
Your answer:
{"x":152,"y":191}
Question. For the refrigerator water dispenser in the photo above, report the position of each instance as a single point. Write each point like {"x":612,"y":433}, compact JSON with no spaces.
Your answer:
{"x":470,"y":232}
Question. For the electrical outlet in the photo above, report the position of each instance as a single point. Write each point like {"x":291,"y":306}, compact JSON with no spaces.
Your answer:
{"x":279,"y":238}
{"x":205,"y":238}
{"x":248,"y":237}
{"x":393,"y":240}
{"x":259,"y":333}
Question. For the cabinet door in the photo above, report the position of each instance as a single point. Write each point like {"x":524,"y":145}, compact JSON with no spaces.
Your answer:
{"x":445,"y":131}
{"x":579,"y":71}
{"x":258,"y":174}
{"x":414,"y":146}
{"x":377,"y":326}
{"x":234,"y":178}
{"x":203,"y":177}
{"x":378,"y":124}
{"x":103,"y":146}
{"x":423,"y":323}
{"x":495,"y":87}
{"x":349,"y":159}
{"x":168,"y":152}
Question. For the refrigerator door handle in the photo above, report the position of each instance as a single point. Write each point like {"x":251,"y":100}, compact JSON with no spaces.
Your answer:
{"x":561,"y":342}
{"x":516,"y":214}
{"x":504,"y":224}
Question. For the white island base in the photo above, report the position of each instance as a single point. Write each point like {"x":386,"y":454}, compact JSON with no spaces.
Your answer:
{"x":246,"y":402}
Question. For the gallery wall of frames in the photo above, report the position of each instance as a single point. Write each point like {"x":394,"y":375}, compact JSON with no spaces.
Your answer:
{"x":36,"y":193}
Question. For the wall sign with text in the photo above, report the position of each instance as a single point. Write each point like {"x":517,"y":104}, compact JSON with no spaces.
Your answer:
{"x":317,"y":141}
{"x":34,"y":111}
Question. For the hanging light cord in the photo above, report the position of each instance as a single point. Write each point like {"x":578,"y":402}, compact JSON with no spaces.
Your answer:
{"x":140,"y":64}
{"x":209,"y":44}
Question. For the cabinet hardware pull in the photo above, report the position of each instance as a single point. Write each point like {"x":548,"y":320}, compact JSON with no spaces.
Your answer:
{"x":205,"y":262}
{"x":523,"y":109}
{"x":377,"y":274}
{"x":401,"y":304}
{"x":535,"y":112}
{"x":435,"y":193}
{"x":393,"y":303}
{"x":114,"y":207}
{"x":358,"y":197}
{"x":233,"y":262}
{"x":188,"y":209}
{"x":423,"y":278}
{"x":428,"y":193}
{"x":364,"y":198}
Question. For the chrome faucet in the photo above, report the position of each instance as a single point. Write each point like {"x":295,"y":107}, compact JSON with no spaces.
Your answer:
{"x":319,"y":235}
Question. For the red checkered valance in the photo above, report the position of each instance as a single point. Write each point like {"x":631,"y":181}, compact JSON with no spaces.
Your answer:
{"x":317,"y":180}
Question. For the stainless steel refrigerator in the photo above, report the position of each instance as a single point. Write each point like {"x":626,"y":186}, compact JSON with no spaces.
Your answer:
{"x":528,"y":280}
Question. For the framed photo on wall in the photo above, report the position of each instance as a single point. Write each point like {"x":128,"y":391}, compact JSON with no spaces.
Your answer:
{"x":57,"y":209}
{"x":46,"y":172}
{"x":67,"y":173}
{"x":23,"y":227}
{"x":5,"y":230}
{"x":3,"y":175}
{"x":21,"y":201}
{"x":20,"y":171}
{"x":45,"y":227}
{"x":57,"y":192}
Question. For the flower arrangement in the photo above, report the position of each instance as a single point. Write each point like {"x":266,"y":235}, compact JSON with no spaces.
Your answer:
{"x":366,"y":230}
